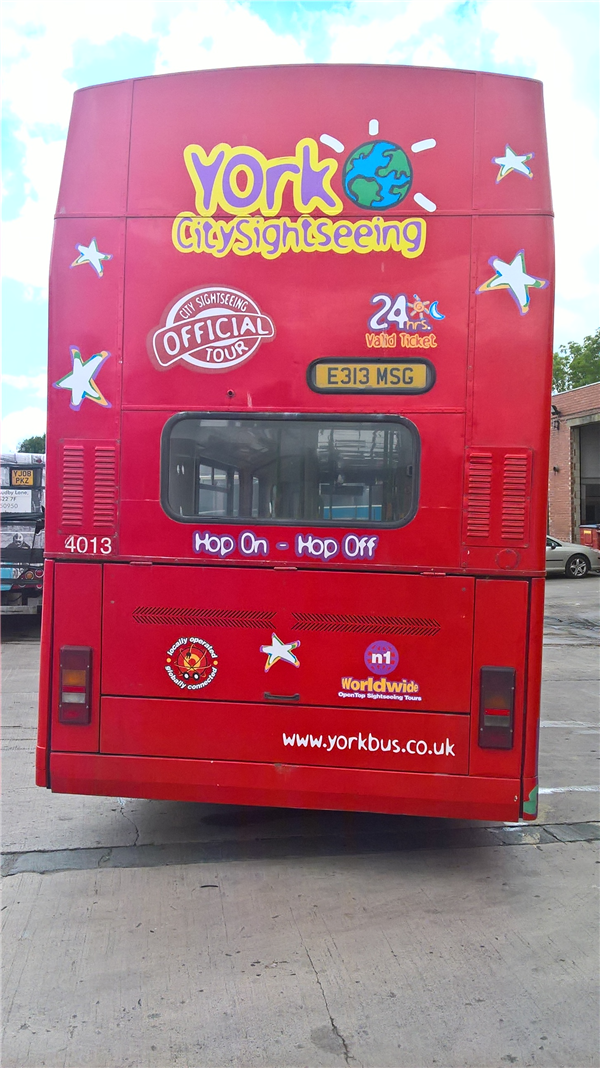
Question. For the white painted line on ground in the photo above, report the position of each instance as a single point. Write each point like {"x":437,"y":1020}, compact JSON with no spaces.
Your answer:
{"x":569,"y":789}
{"x":575,"y":724}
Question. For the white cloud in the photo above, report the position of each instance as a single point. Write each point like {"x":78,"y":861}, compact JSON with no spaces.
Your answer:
{"x":41,"y":38}
{"x":37,"y":51}
{"x":38,"y":48}
{"x":522,"y":33}
{"x":567,"y":324}
{"x":20,"y":425}
{"x":27,"y":239}
{"x":38,"y":40}
{"x":383,"y":33}
{"x":37,"y":384}
{"x":223,"y":34}
{"x":431,"y":53}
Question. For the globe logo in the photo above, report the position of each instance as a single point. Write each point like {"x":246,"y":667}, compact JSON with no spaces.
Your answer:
{"x":381,"y":657}
{"x":377,"y":175}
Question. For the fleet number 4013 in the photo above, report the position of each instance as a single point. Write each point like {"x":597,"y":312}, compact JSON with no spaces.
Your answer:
{"x":88,"y":545}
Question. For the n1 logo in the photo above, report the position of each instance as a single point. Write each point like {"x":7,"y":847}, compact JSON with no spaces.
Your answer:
{"x":381,"y":657}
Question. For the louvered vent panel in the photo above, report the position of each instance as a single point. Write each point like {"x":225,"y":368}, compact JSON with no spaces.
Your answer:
{"x":105,"y":484}
{"x":479,"y":495}
{"x":515,"y":493}
{"x":209,"y":617}
{"x":364,"y":624}
{"x":72,"y":486}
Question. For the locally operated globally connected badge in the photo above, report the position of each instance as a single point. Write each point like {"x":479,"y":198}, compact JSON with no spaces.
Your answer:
{"x":212,"y":329}
{"x":191,"y":663}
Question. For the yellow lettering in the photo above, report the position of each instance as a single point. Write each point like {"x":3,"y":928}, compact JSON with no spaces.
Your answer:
{"x":272,"y":237}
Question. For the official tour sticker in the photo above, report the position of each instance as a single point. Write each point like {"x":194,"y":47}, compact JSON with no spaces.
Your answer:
{"x":211,"y":329}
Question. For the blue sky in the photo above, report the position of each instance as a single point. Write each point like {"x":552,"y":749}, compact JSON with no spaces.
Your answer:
{"x":53,"y":47}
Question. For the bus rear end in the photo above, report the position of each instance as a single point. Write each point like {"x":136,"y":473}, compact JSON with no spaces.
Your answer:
{"x":300,"y":354}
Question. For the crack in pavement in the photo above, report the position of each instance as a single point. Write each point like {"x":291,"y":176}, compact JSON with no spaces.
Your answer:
{"x":85,"y":858}
{"x":347,"y":1055}
{"x":122,"y":801}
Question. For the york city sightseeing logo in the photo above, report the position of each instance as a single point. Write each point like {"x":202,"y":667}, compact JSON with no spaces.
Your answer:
{"x":240,"y":183}
{"x":191,"y":663}
{"x":212,"y":328}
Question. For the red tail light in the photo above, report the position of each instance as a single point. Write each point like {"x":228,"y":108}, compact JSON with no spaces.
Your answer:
{"x":496,"y":707}
{"x":75,"y":685}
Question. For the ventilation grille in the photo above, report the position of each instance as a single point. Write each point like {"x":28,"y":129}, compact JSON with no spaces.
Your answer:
{"x":72,"y":486}
{"x":105,"y":484}
{"x":497,"y":497}
{"x":479,"y":495}
{"x":208,"y":617}
{"x":515,"y":487}
{"x":359,"y":624}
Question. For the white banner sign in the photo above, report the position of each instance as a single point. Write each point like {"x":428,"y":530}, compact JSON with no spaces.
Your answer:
{"x":15,"y":500}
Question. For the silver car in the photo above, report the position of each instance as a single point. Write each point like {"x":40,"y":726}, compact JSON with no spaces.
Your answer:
{"x":574,"y":560}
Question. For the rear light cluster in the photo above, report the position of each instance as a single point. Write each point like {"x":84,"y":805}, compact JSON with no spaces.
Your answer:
{"x":24,"y":577}
{"x":496,"y":707}
{"x":75,"y":685}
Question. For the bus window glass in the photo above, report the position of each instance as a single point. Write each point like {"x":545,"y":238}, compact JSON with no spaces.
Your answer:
{"x":290,"y":470}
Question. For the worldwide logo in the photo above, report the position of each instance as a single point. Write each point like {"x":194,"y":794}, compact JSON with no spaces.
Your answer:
{"x":377,"y":175}
{"x":381,"y":658}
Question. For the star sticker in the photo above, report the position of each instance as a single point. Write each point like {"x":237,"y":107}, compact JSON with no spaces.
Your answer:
{"x":80,"y":379}
{"x":514,"y":277}
{"x":278,"y":650}
{"x":92,"y":255}
{"x":510,"y":161}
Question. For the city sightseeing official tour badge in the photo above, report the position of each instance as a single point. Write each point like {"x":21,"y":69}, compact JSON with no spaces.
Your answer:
{"x":191,"y":663}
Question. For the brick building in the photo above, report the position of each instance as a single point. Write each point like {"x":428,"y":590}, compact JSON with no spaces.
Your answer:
{"x":574,"y":476}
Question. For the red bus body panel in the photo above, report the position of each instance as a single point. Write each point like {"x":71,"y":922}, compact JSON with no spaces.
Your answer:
{"x":238,"y":182}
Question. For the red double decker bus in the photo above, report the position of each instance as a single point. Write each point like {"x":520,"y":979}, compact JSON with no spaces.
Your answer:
{"x":300,"y":362}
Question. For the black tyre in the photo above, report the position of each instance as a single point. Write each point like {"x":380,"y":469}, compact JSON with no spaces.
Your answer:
{"x":577,"y":567}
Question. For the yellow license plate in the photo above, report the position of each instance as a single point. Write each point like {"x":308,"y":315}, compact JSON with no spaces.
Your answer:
{"x":22,"y":477}
{"x":371,"y":376}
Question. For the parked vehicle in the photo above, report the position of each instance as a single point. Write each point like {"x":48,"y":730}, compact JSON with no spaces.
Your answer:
{"x":575,"y":560}
{"x":22,"y":494}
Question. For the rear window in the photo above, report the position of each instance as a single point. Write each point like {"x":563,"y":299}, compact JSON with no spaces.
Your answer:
{"x":290,"y":469}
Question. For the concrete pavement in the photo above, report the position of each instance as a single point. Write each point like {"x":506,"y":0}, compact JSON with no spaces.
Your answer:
{"x":199,"y":935}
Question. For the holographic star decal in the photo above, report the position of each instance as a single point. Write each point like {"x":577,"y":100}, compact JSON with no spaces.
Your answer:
{"x":80,"y":379}
{"x":92,"y":255}
{"x":513,"y":276}
{"x":279,"y":650}
{"x":510,"y":161}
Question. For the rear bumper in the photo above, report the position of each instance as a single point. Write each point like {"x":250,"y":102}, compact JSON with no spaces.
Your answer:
{"x":286,"y":786}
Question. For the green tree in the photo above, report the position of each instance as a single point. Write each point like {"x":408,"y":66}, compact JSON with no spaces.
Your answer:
{"x":576,"y":365}
{"x":36,"y":443}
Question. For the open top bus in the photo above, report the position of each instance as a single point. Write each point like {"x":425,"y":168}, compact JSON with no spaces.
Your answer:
{"x":300,"y":363}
